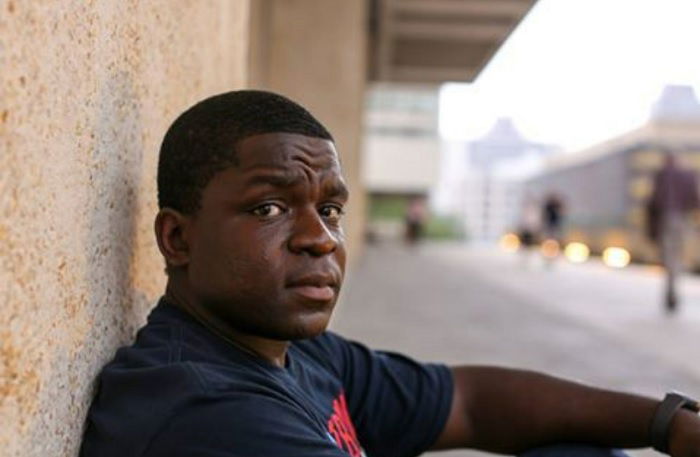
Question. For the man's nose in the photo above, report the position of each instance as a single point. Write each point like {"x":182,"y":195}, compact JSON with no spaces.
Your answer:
{"x":310,"y":234}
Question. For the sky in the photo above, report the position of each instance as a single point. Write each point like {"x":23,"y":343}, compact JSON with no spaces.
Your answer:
{"x":577,"y":72}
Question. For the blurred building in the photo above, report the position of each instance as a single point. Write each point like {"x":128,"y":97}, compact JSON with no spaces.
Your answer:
{"x":606,"y":187}
{"x":401,"y":151}
{"x":416,"y":43}
{"x":486,"y":189}
{"x":401,"y":142}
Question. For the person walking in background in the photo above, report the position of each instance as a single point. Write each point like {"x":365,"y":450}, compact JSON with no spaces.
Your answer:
{"x":553,"y":216}
{"x":415,"y":220}
{"x":674,"y":196}
{"x":552,"y":228}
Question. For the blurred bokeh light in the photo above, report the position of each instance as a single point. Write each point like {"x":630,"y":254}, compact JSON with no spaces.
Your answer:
{"x":616,"y":257}
{"x":577,"y":252}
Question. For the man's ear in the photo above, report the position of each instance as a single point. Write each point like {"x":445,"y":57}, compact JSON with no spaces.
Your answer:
{"x":171,"y":229}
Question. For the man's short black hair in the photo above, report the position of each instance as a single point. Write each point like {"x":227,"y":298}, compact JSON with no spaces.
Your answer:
{"x":202,"y":140}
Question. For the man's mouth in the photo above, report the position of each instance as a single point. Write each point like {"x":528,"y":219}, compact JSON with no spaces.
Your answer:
{"x":325,"y":293}
{"x":317,"y":287}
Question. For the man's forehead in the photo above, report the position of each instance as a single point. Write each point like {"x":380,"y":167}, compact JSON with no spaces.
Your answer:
{"x":283,"y":160}
{"x":286,"y":150}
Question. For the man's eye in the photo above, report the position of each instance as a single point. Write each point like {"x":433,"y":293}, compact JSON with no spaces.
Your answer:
{"x":268,"y":210}
{"x":331,"y":212}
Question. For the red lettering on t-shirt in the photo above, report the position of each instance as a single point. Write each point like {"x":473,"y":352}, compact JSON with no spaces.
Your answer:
{"x":341,"y":428}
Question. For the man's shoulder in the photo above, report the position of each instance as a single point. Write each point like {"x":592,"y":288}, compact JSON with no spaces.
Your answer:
{"x":172,"y":347}
{"x":176,"y":408}
{"x":175,"y":379}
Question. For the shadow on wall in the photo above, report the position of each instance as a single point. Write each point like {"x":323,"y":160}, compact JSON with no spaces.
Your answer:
{"x":115,"y":169}
{"x":115,"y":176}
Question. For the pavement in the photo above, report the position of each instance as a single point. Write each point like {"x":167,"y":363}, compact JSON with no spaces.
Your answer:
{"x":455,"y":304}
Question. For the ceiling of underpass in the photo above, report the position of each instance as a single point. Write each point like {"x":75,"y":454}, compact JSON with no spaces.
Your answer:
{"x":432,"y":41}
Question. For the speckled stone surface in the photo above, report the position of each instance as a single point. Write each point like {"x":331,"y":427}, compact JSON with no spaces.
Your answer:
{"x":87,"y":89}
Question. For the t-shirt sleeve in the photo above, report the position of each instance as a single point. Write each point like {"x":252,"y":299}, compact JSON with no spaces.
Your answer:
{"x":399,"y":406}
{"x":264,"y":427}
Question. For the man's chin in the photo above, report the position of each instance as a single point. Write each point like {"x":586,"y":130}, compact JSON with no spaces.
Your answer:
{"x":310,"y":326}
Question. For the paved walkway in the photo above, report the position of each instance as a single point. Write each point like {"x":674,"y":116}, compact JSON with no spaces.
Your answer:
{"x":449,"y":303}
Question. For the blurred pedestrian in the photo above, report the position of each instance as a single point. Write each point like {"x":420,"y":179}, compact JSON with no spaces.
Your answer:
{"x":415,"y":220}
{"x":674,"y":196}
{"x":553,"y":216}
{"x":552,"y":228}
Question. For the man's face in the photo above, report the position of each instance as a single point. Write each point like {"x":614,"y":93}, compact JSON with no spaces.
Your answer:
{"x":266,"y":246}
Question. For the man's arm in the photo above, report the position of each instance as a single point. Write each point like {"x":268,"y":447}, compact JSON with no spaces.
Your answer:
{"x":509,"y":411}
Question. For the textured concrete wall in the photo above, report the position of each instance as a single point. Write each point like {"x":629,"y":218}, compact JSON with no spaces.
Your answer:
{"x":87,"y":89}
{"x":314,"y":51}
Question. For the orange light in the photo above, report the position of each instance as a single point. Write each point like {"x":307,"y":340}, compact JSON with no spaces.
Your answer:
{"x":550,"y":248}
{"x":510,"y":242}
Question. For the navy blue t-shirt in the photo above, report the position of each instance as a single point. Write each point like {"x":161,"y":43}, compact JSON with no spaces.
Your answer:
{"x":182,"y":391}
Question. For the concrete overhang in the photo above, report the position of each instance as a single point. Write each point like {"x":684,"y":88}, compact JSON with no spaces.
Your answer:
{"x":433,"y":41}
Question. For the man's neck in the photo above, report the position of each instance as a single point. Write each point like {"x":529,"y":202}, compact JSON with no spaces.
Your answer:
{"x":272,"y":351}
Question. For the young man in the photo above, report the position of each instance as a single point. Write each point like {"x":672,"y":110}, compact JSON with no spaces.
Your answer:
{"x":235,"y":359}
